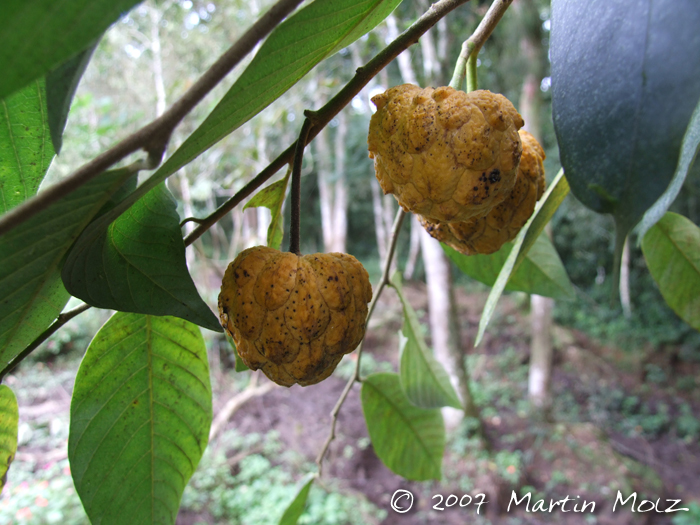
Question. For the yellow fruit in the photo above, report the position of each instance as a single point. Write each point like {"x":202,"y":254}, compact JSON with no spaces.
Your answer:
{"x":294,"y":316}
{"x":445,"y":154}
{"x":503,"y":222}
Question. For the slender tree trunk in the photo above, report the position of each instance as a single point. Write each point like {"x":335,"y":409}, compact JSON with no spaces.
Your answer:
{"x":530,"y":107}
{"x":625,"y":280}
{"x":340,"y":192}
{"x":413,"y":248}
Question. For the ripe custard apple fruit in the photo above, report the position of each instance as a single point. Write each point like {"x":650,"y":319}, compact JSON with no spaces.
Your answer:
{"x":445,"y":154}
{"x":487,"y":234}
{"x":294,"y":316}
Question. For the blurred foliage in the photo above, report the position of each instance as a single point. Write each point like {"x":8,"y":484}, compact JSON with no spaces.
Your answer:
{"x":246,"y":479}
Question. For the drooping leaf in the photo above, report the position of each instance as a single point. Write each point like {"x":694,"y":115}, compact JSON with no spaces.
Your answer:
{"x":139,"y":418}
{"x":37,"y":36}
{"x":272,"y":197}
{"x":672,"y":251}
{"x":625,"y":81}
{"x":31,"y":291}
{"x":295,"y":509}
{"x":61,"y":84}
{"x":239,"y":365}
{"x":689,"y":151}
{"x":299,"y":43}
{"x":409,"y":440}
{"x":25,"y":144}
{"x":541,"y":272}
{"x":423,"y":379}
{"x":9,"y":419}
{"x":544,"y":210}
{"x":138,"y":264}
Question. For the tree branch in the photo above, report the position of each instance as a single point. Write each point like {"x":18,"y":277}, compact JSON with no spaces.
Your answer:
{"x":472,"y":46}
{"x":58,"y":323}
{"x":324,"y":115}
{"x":294,"y":227}
{"x":356,"y":376}
{"x":154,"y":137}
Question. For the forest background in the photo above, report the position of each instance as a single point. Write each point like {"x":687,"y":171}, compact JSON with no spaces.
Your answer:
{"x":624,"y":386}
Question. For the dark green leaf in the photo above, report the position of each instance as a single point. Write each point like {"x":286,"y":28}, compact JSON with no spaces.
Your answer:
{"x":31,"y":291}
{"x":689,"y":151}
{"x":625,"y":81}
{"x":272,"y":198}
{"x":544,"y":210}
{"x":409,"y":440}
{"x":25,"y":146}
{"x":541,"y":272}
{"x":36,"y":36}
{"x":672,"y":252}
{"x":139,"y":418}
{"x":138,"y":264}
{"x":312,"y":34}
{"x":296,"y":507}
{"x":9,"y":419}
{"x":423,"y":379}
{"x":61,"y":84}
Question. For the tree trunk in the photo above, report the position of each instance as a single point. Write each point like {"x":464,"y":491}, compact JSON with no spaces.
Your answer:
{"x":413,"y":248}
{"x":625,"y":280}
{"x":444,"y":325}
{"x":530,"y":108}
{"x":340,"y":192}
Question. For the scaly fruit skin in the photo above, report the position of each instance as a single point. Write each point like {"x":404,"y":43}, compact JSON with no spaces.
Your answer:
{"x":445,"y":154}
{"x":294,"y":316}
{"x":487,"y":234}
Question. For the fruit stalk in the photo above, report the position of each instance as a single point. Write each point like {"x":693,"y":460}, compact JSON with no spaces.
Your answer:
{"x":294,"y":227}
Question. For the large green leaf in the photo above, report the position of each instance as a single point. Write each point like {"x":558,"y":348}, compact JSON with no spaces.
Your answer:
{"x":315,"y":32}
{"x":296,"y":508}
{"x":544,"y":210}
{"x":272,"y":197}
{"x":31,"y":291}
{"x":423,"y":379}
{"x":672,"y":252}
{"x":38,"y":35}
{"x":61,"y":84}
{"x":409,"y":440}
{"x":541,"y":272}
{"x":138,"y":264}
{"x":689,"y":151}
{"x":9,"y":419}
{"x":25,"y":144}
{"x":139,"y":418}
{"x":625,"y":81}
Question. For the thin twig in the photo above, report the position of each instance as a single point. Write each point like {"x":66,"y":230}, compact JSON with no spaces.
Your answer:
{"x":295,"y":223}
{"x":58,"y":323}
{"x":324,"y":115}
{"x":473,"y":44}
{"x":154,"y":137}
{"x":398,"y":221}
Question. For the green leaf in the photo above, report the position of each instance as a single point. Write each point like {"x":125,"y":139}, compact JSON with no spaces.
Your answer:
{"x":239,"y":365}
{"x":25,"y":146}
{"x":423,"y":379}
{"x":9,"y":419}
{"x":38,"y":35}
{"x":139,"y":418}
{"x":61,"y":84}
{"x":541,"y":272}
{"x":299,"y":43}
{"x":625,"y":81}
{"x":31,"y":291}
{"x":272,"y":197}
{"x":409,"y":440}
{"x":296,"y":507}
{"x":689,"y":151}
{"x":672,"y":251}
{"x":544,"y":210}
{"x":138,"y":264}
